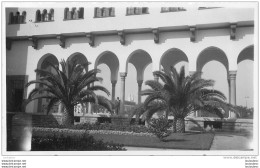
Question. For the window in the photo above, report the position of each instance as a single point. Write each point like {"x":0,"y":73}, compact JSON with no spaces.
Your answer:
{"x":51,"y":15}
{"x":11,"y":18}
{"x":38,"y":16}
{"x":104,"y":12}
{"x":17,"y":18}
{"x":44,"y":16}
{"x":23,"y":17}
{"x":172,"y":9}
{"x":137,"y":10}
{"x":81,"y":13}
{"x":202,"y":8}
{"x":74,"y":14}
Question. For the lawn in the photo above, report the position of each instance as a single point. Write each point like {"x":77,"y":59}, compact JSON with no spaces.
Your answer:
{"x":187,"y":141}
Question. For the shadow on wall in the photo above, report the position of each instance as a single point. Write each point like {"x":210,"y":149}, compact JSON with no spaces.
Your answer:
{"x":48,"y":42}
{"x":11,"y":29}
{"x":164,"y":36}
{"x":19,"y":127}
{"x":106,"y":39}
{"x":16,"y":77}
{"x":240,"y":33}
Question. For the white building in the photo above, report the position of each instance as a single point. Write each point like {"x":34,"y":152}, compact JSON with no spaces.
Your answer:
{"x":117,"y":34}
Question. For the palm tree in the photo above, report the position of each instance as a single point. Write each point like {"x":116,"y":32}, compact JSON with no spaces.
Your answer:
{"x":180,"y":96}
{"x":70,"y":86}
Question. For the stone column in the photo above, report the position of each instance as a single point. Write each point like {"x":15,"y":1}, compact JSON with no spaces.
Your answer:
{"x":113,"y":90}
{"x":122,"y":96}
{"x":232,"y":90}
{"x":84,"y":109}
{"x":89,"y":108}
{"x":60,"y":108}
{"x":156,"y":78}
{"x":89,"y":104}
{"x":140,"y":82}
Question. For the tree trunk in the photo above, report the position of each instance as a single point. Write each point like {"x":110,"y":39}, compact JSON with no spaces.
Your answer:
{"x":180,"y":125}
{"x":68,"y":116}
{"x":174,"y":125}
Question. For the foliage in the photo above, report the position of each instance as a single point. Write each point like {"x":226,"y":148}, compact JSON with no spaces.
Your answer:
{"x":96,"y":108}
{"x":70,"y":86}
{"x":159,"y":127}
{"x":245,"y":112}
{"x":143,"y":112}
{"x":107,"y":126}
{"x":80,"y":143}
{"x":181,"y":95}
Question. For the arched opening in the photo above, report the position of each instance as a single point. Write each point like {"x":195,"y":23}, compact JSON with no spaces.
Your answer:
{"x":174,"y":57}
{"x":16,"y":18}
{"x":78,"y":58}
{"x":213,"y":64}
{"x":44,"y":64}
{"x":137,"y":61}
{"x":44,"y":15}
{"x":108,"y":63}
{"x":81,"y":13}
{"x":23,"y":17}
{"x":38,"y":16}
{"x":51,"y":15}
{"x":245,"y":78}
{"x":66,"y":13}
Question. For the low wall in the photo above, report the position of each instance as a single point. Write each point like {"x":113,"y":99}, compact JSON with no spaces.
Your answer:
{"x":237,"y":125}
{"x":195,"y":124}
{"x":36,"y":120}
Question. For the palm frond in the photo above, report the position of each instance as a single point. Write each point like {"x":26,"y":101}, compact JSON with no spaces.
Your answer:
{"x":154,"y":85}
{"x":52,"y":102}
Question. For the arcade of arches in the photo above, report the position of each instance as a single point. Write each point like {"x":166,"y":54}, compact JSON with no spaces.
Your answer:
{"x":212,"y":62}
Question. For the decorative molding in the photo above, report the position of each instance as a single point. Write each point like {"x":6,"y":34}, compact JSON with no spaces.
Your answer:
{"x":34,"y":41}
{"x":233,"y":31}
{"x":91,"y":38}
{"x":192,"y":72}
{"x":8,"y":44}
{"x":114,"y":82}
{"x":156,"y":35}
{"x":140,"y":82}
{"x":121,"y":34}
{"x":193,"y":34}
{"x":123,"y":75}
{"x":232,"y":75}
{"x":62,"y":40}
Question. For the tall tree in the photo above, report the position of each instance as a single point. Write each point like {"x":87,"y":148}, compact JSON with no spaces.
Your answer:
{"x":70,"y":86}
{"x":181,"y":95}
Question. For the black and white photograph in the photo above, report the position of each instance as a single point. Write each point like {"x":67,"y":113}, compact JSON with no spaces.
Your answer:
{"x":129,"y":78}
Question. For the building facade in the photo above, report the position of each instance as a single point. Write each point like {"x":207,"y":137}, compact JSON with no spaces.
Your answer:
{"x":119,"y":34}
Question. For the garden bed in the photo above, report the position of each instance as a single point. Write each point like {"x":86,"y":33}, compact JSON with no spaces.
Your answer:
{"x":186,"y":141}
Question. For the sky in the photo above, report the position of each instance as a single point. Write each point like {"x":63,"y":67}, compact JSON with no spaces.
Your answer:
{"x":244,"y":80}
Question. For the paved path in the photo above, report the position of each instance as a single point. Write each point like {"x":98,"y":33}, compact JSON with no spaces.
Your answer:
{"x":130,"y":148}
{"x":222,"y":141}
{"x":232,"y":141}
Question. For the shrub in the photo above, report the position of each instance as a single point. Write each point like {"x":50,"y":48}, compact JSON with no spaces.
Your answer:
{"x":67,"y":140}
{"x":159,"y":127}
{"x":108,"y":126}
